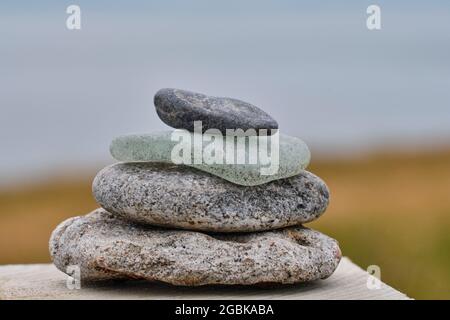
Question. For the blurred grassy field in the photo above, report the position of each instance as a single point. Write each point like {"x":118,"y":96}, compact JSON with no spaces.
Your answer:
{"x":390,"y":210}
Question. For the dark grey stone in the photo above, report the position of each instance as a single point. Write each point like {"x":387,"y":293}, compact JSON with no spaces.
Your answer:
{"x":179,"y":109}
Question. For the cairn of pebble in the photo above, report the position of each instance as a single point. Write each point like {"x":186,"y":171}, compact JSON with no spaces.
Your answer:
{"x":196,"y":223}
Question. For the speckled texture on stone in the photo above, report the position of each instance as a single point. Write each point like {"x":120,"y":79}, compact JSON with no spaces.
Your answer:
{"x":179,"y":109}
{"x":294,"y":156}
{"x":106,"y":247}
{"x":182,"y":197}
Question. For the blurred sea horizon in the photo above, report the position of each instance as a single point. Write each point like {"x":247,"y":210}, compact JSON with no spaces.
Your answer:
{"x":314,"y":67}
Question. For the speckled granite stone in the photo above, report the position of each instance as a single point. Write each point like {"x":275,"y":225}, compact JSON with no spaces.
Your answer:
{"x":182,"y":197}
{"x":179,"y":109}
{"x":106,"y":247}
{"x":294,"y":156}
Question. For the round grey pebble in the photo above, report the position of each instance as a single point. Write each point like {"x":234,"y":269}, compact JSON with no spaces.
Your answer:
{"x":183,"y":197}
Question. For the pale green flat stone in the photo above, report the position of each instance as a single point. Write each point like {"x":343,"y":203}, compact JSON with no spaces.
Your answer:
{"x":294,"y":156}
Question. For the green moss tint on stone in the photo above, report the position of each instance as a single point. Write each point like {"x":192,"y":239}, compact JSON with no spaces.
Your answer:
{"x":294,"y":156}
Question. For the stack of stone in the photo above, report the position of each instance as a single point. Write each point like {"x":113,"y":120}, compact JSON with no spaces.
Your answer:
{"x":201,"y":223}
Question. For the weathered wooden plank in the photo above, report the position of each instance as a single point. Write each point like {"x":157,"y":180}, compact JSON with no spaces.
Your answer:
{"x":44,"y":281}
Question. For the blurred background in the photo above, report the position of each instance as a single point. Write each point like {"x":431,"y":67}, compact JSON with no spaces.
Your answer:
{"x":374,"y":107}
